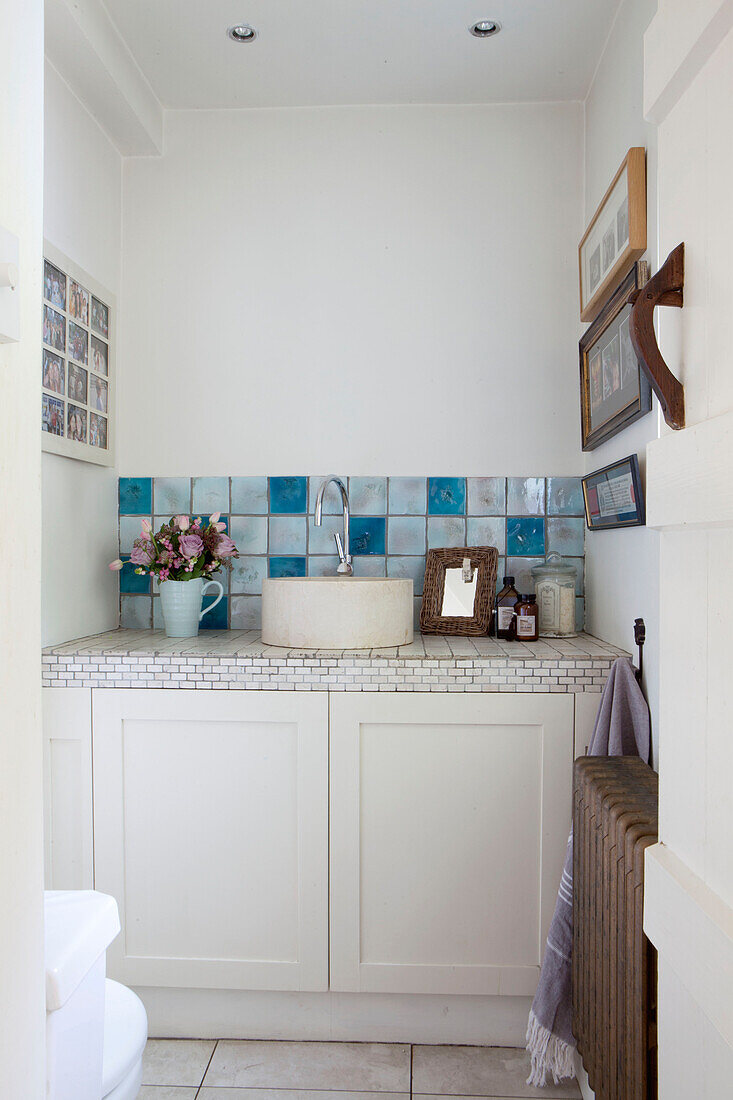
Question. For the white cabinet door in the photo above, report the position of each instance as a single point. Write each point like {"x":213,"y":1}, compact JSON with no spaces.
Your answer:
{"x":211,"y":830}
{"x":67,"y":783}
{"x":449,"y":820}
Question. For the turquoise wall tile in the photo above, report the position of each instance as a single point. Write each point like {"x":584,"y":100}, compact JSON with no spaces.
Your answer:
{"x":368,"y":535}
{"x":408,"y":496}
{"x":486,"y":496}
{"x":136,"y":496}
{"x":447,"y":496}
{"x":248,"y":574}
{"x":322,"y":565}
{"x":132,"y":582}
{"x":525,"y":535}
{"x":370,"y":566}
{"x":579,"y":613}
{"x":565,"y":496}
{"x":291,"y":566}
{"x":444,"y":531}
{"x":210,"y":494}
{"x":521,"y":570}
{"x":409,"y":567}
{"x":130,"y":529}
{"x":246,"y":613}
{"x":406,"y":535}
{"x":288,"y":494}
{"x":320,"y":539}
{"x":525,"y":496}
{"x":287,"y":535}
{"x":249,"y":496}
{"x":136,"y":612}
{"x":332,"y":505}
{"x":172,"y":496}
{"x":250,"y":534}
{"x":218,"y":617}
{"x":566,"y":535}
{"x":486,"y":531}
{"x":368,"y":496}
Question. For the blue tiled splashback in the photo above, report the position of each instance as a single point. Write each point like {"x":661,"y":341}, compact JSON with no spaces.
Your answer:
{"x":394,"y":521}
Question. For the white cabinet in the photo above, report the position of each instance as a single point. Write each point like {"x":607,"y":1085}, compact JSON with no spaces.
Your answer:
{"x":211,"y":830}
{"x":449,"y":820}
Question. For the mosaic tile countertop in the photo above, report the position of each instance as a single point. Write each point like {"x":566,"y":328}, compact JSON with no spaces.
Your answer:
{"x":239,"y":660}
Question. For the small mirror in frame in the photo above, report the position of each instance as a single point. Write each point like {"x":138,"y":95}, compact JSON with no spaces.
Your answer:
{"x":459,"y":590}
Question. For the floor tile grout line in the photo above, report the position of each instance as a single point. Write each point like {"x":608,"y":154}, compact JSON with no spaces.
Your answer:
{"x":201,"y":1085}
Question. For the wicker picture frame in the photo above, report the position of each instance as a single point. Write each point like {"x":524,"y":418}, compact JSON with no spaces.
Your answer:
{"x":485,"y":560}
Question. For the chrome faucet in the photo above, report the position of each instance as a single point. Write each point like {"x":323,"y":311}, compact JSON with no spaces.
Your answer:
{"x":343,"y":547}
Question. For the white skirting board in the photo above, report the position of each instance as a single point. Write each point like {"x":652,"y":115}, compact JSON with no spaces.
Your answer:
{"x":339,"y":1017}
{"x":585,"y":1089}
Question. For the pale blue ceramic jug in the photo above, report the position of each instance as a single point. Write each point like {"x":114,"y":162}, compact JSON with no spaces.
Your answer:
{"x":180,"y":602}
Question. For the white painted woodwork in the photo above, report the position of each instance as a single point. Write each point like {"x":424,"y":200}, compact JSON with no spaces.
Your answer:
{"x":211,"y":826}
{"x":689,"y":886}
{"x":449,"y":820}
{"x":691,"y":924}
{"x":67,"y":780}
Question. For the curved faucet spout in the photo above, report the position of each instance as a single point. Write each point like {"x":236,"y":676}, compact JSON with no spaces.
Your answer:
{"x":344,"y":549}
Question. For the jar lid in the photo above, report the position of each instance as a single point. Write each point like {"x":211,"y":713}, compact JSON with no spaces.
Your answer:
{"x":553,"y":566}
{"x":529,"y":597}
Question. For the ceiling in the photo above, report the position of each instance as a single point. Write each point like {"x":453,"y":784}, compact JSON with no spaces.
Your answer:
{"x":326,"y":52}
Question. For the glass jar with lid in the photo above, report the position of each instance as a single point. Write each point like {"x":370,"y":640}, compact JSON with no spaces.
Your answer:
{"x":555,"y":588}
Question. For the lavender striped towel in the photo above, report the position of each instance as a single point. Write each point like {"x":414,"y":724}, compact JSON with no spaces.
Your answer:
{"x":621,"y":729}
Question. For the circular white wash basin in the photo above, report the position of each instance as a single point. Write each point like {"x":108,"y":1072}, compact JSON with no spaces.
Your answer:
{"x":336,"y":612}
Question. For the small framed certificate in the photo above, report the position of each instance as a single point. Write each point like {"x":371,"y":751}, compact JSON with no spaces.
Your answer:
{"x":613,"y":496}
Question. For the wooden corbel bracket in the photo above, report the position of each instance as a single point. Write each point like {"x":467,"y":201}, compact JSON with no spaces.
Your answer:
{"x":663,"y":289}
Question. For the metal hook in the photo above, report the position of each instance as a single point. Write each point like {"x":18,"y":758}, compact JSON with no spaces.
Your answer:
{"x":639,"y":639}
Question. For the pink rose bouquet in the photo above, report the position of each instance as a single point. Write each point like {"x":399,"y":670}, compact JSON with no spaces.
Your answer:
{"x":182,"y":550}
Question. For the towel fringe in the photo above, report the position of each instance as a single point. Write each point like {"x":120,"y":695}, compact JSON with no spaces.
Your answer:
{"x":549,"y":1054}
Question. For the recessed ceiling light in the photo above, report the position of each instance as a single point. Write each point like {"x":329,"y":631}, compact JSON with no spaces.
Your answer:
{"x":485,"y":28}
{"x":242,"y":32}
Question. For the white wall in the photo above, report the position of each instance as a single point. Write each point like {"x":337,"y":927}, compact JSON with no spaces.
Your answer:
{"x":22,"y":993}
{"x":82,"y":217}
{"x":622,"y":567}
{"x":381,"y":289}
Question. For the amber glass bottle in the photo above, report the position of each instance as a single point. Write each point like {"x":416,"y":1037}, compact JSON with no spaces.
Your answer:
{"x":504,"y":608}
{"x":528,"y":619}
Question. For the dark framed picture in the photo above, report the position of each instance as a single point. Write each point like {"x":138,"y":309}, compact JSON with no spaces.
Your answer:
{"x":614,"y":391}
{"x":613,"y":496}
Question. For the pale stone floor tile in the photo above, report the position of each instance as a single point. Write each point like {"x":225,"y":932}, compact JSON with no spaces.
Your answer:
{"x":206,"y":1093}
{"x":167,"y":1092}
{"x":176,"y":1061}
{"x":358,"y":1067}
{"x":478,"y":1072}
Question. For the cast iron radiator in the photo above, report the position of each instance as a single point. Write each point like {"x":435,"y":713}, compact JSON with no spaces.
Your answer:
{"x":614,"y":965}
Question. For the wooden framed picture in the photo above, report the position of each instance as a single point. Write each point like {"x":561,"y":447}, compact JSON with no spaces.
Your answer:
{"x":613,"y":496}
{"x":614,"y":390}
{"x":616,"y":236}
{"x":459,"y":590}
{"x":78,"y":362}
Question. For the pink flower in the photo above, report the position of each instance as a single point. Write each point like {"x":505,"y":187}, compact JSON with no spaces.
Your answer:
{"x":215,"y":518}
{"x":183,"y":523}
{"x":225,"y":548}
{"x":116,"y":565}
{"x":190,"y":546}
{"x":221,"y":526}
{"x":143,"y":552}
{"x":146,"y":526}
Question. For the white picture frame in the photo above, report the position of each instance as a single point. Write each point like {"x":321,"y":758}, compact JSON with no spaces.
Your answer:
{"x":78,"y":365}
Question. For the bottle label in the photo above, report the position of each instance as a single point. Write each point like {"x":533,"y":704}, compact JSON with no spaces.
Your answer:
{"x":525,"y":626}
{"x":504,"y":617}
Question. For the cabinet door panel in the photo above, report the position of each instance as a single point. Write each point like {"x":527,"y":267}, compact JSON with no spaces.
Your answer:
{"x":449,"y":816}
{"x":211,"y":831}
{"x":67,"y":775}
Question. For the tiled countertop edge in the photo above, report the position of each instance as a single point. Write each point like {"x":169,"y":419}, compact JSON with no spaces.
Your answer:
{"x":240,"y":661}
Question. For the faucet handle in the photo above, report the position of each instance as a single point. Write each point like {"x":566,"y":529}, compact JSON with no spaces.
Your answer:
{"x":339,"y":546}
